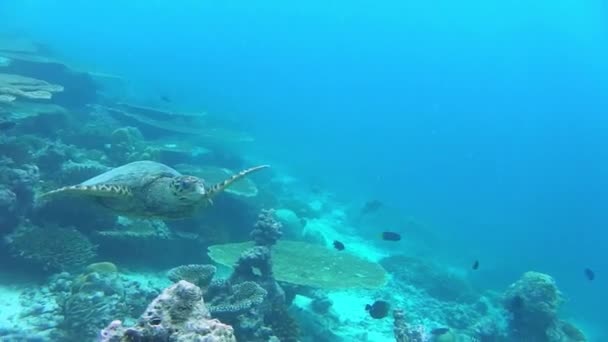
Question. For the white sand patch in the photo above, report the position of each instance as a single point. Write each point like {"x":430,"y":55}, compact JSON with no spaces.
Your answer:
{"x":10,"y":304}
{"x":356,"y":323}
{"x":333,"y":228}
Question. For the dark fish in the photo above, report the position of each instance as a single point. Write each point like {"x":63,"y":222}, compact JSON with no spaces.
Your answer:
{"x":439,"y":331}
{"x":379,"y":309}
{"x":166,"y":98}
{"x":391,"y":236}
{"x":589,"y":274}
{"x":338,"y":245}
{"x":6,"y":124}
{"x":371,"y":206}
{"x":476,"y":264}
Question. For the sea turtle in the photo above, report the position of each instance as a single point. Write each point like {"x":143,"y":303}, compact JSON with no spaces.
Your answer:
{"x":150,"y":189}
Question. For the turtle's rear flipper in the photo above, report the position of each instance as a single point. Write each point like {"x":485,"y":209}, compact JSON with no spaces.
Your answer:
{"x":217,"y":188}
{"x":103,"y":190}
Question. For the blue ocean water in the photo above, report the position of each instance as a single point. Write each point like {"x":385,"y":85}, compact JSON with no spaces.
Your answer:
{"x":485,"y":119}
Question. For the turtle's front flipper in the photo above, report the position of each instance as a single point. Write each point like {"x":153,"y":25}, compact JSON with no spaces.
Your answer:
{"x":102,"y":190}
{"x":217,"y":188}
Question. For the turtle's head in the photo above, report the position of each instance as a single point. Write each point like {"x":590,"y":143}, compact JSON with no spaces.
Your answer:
{"x":188,"y":189}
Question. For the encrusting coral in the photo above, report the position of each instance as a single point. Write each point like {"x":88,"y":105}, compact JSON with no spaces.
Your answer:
{"x":178,"y":314}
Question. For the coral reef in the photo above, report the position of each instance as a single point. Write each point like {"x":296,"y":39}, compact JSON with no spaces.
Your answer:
{"x":52,"y":248}
{"x":199,"y":275}
{"x":73,"y":308}
{"x":534,"y":301}
{"x":306,"y":264}
{"x":16,"y":192}
{"x":234,"y":299}
{"x":434,"y":279}
{"x":17,"y":86}
{"x":177,"y":314}
{"x":267,"y":230}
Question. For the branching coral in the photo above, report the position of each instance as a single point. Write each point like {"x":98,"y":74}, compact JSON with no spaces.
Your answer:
{"x":53,"y":248}
{"x":199,"y":275}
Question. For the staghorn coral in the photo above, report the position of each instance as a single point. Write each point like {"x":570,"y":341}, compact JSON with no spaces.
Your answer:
{"x":199,"y":275}
{"x":267,"y":230}
{"x":311,"y":265}
{"x":27,"y":87}
{"x":53,"y":248}
{"x":178,"y":314}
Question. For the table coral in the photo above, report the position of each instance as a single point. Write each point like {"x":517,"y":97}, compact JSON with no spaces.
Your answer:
{"x":199,"y":275}
{"x":306,"y":264}
{"x":27,"y":87}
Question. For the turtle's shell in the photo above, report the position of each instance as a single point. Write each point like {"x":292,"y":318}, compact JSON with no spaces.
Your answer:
{"x":134,"y":175}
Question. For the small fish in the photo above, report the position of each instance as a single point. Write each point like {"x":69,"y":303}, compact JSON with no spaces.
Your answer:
{"x":5,"y":124}
{"x":391,"y":236}
{"x":475,"y":265}
{"x":439,"y":331}
{"x":371,"y":206}
{"x":166,"y":98}
{"x":589,"y":274}
{"x":379,"y":309}
{"x":338,"y":245}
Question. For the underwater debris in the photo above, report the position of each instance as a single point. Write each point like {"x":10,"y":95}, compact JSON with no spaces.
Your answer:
{"x":311,"y":265}
{"x":379,"y":309}
{"x":150,"y":189}
{"x":177,"y":314}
